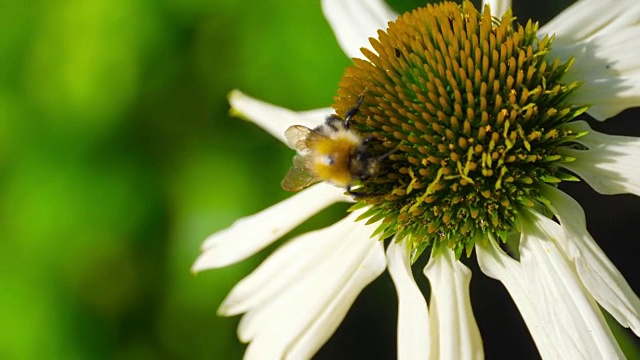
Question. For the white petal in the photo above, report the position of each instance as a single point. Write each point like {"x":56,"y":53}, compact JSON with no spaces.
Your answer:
{"x":314,"y":117}
{"x":273,"y":119}
{"x":413,"y":317}
{"x":586,"y":19}
{"x":563,"y":320}
{"x":611,"y":74}
{"x":334,"y":312}
{"x":498,"y":7}
{"x":603,"y":38}
{"x":610,"y":165}
{"x":284,"y":266}
{"x":454,"y":332}
{"x":355,"y":21}
{"x":253,"y":233}
{"x":333,"y":281}
{"x":500,"y":266}
{"x":598,"y":274}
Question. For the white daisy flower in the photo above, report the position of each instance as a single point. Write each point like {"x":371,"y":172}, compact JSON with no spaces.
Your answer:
{"x":473,"y":121}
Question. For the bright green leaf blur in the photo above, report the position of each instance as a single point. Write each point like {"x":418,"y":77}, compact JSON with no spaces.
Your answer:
{"x":118,"y":157}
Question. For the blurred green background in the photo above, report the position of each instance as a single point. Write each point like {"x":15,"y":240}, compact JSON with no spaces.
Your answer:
{"x":117,"y":158}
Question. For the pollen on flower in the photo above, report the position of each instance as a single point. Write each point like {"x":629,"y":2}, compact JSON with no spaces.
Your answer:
{"x":475,"y":109}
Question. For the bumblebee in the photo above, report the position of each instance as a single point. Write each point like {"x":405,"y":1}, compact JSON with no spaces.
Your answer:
{"x":331,"y":152}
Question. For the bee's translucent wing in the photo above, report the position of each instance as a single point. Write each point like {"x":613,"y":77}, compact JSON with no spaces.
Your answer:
{"x":299,"y":176}
{"x":297,"y":136}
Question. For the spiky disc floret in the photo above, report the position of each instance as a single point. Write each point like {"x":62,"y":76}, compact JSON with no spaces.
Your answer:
{"x":475,"y":109}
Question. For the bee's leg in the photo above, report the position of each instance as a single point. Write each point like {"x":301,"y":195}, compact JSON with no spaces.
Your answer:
{"x":370,"y":138}
{"x":350,"y":192}
{"x":354,"y":193}
{"x":353,"y":111}
{"x":386,"y":155}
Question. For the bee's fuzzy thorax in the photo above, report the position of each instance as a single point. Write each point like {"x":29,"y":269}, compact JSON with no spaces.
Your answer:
{"x":332,"y":152}
{"x":330,"y":156}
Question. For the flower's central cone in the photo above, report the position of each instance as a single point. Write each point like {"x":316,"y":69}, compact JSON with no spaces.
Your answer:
{"x":474,"y":110}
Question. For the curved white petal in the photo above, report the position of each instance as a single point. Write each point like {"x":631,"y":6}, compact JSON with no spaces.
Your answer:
{"x":610,"y":165}
{"x":563,"y":320}
{"x":454,"y":332}
{"x":603,"y":280}
{"x":271,"y":118}
{"x":603,"y":38}
{"x":316,"y":300}
{"x":355,"y":21}
{"x":250,"y":234}
{"x":500,"y":266}
{"x":284,"y":266}
{"x":586,"y":19}
{"x":334,"y":312}
{"x":498,"y":7}
{"x":413,"y":316}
